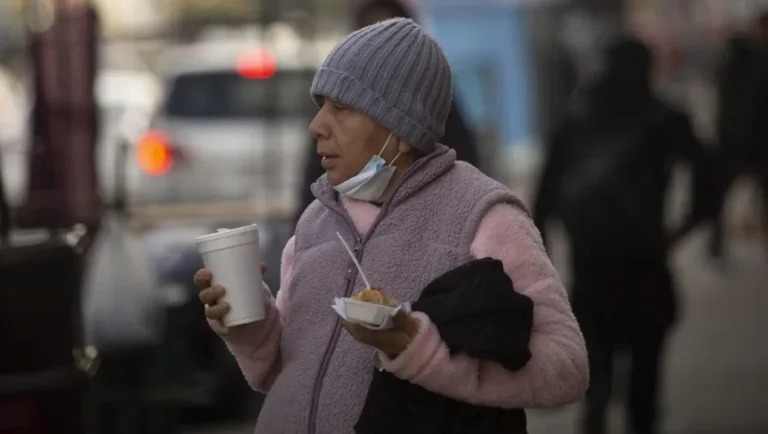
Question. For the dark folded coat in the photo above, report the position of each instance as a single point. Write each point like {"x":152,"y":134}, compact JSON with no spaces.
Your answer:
{"x":478,"y":313}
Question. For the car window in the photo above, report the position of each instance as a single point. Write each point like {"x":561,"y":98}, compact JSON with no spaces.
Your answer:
{"x":229,"y":95}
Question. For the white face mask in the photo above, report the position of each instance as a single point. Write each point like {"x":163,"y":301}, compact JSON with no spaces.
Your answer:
{"x":370,"y":183}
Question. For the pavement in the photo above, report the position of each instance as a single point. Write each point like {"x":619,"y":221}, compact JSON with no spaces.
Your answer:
{"x":717,"y":366}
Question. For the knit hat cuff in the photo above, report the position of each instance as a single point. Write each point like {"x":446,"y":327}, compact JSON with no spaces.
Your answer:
{"x":345,"y":89}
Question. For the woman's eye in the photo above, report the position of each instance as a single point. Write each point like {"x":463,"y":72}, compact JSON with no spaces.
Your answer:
{"x":338,"y":106}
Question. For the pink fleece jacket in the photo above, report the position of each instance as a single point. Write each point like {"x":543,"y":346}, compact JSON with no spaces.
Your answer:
{"x":557,"y":373}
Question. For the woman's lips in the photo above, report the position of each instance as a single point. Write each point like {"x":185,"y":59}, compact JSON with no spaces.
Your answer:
{"x":329,"y":161}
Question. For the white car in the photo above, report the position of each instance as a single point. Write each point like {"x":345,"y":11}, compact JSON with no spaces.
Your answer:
{"x":126,"y":99}
{"x":233,"y":128}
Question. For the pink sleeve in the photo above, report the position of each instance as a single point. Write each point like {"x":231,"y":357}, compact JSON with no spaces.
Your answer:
{"x":557,"y":373}
{"x":256,"y":346}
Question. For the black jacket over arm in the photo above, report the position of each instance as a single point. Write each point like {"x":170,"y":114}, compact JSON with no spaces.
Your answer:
{"x":478,"y":313}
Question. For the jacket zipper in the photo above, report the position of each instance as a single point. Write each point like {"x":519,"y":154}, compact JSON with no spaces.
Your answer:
{"x":351,"y":279}
{"x":331,"y":347}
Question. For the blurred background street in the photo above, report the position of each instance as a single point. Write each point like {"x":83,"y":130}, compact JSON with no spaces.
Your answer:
{"x":130,"y":127}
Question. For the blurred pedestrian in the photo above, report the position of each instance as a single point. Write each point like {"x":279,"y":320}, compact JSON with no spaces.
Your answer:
{"x":742,"y":122}
{"x":411,"y":213}
{"x":458,"y":136}
{"x":606,"y":178}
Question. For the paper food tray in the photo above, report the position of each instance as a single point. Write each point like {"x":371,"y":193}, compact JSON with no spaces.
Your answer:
{"x":369,"y":315}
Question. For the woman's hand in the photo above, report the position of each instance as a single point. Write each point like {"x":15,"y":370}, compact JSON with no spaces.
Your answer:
{"x":391,"y":342}
{"x":210,"y":295}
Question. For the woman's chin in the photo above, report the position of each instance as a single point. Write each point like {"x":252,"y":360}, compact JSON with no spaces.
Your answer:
{"x":333,"y":178}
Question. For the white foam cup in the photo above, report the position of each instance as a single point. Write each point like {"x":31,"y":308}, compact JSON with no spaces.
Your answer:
{"x":234,"y":258}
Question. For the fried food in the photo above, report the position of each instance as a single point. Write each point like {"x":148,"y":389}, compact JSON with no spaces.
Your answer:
{"x":375,"y":296}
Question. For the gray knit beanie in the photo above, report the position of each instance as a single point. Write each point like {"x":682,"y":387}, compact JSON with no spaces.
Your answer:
{"x":396,"y":74}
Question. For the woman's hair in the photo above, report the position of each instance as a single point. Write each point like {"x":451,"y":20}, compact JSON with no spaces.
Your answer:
{"x":394,"y":7}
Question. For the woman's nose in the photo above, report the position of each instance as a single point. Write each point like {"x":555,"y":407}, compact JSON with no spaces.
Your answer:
{"x":318,"y":128}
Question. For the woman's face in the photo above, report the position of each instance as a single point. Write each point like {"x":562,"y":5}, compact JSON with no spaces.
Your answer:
{"x":347,"y":139}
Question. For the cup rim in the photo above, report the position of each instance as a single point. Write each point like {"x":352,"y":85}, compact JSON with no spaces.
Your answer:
{"x":227,"y":233}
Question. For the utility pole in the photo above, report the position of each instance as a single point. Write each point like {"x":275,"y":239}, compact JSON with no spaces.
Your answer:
{"x":62,"y":188}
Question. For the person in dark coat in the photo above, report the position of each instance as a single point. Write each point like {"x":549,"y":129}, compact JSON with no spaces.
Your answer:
{"x":606,"y":178}
{"x":457,"y":136}
{"x":742,"y":122}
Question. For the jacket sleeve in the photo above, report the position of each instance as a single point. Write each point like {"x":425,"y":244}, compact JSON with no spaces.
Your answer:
{"x":547,"y":191}
{"x":689,"y":149}
{"x":557,"y":372}
{"x":256,"y":346}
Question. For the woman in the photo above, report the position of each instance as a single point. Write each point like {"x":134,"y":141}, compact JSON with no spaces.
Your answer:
{"x":457,"y":135}
{"x":411,"y":212}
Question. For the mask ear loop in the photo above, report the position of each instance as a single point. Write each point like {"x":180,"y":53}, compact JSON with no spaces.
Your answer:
{"x":389,"y":137}
{"x":386,"y":142}
{"x":394,"y":159}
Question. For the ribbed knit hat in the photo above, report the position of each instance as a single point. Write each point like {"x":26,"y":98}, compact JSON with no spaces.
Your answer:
{"x":396,"y":74}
